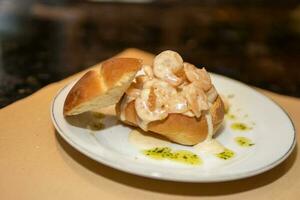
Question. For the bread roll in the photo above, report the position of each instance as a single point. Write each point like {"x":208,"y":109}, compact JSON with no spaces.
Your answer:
{"x":103,"y":87}
{"x":178,"y":127}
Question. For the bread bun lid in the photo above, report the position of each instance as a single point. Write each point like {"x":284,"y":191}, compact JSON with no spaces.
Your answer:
{"x":102,"y":87}
{"x":179,"y":128}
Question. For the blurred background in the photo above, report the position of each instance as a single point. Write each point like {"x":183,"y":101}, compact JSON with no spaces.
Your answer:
{"x":42,"y":41}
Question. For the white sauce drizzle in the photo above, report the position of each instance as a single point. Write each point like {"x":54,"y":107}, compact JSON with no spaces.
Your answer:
{"x":210,"y":127}
{"x":209,"y":145}
{"x":178,"y":107}
{"x":143,"y":124}
{"x":144,"y":141}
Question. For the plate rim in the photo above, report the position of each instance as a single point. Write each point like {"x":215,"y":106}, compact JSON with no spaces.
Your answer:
{"x":224,"y":178}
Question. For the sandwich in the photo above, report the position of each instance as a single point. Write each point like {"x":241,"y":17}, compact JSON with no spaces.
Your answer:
{"x":171,"y":97}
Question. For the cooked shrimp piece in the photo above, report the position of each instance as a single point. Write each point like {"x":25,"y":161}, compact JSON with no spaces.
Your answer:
{"x":152,"y":104}
{"x":212,"y":94}
{"x":198,"y":76}
{"x":140,"y":80}
{"x":143,"y":110}
{"x":148,"y":71}
{"x":178,"y":104}
{"x":182,"y":85}
{"x":146,"y":75}
{"x":133,"y":92}
{"x":196,"y":98}
{"x":165,"y":66}
{"x":163,"y":90}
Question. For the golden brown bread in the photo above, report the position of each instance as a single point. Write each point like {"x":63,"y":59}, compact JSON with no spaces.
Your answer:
{"x":177,"y":127}
{"x":103,"y":87}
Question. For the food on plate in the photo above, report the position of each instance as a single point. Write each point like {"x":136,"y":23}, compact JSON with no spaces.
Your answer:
{"x":172,"y":98}
{"x":175,"y":99}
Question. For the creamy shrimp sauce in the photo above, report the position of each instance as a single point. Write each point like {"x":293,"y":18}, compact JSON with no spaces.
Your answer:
{"x":209,"y":145}
{"x":146,"y":141}
{"x":171,"y":85}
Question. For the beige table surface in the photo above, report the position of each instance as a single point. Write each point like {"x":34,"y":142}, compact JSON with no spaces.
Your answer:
{"x":36,"y":163}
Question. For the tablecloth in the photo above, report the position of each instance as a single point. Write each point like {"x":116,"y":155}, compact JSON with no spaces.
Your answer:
{"x":36,"y":163}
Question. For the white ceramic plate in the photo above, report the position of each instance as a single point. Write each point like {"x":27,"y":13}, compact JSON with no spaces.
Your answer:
{"x":272,"y":132}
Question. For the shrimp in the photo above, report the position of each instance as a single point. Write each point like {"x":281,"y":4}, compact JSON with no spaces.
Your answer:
{"x":165,"y":66}
{"x":167,"y":96}
{"x":178,"y":104}
{"x":198,"y":76}
{"x":212,"y":94}
{"x":144,"y":111}
{"x":163,"y":90}
{"x":140,"y":80}
{"x":152,"y":104}
{"x":182,"y":85}
{"x":196,"y":98}
{"x":148,"y":71}
{"x":133,"y":92}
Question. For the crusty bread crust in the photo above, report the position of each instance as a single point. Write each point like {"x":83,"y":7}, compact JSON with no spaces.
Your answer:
{"x":104,"y":87}
{"x":115,"y":69}
{"x":177,"y":127}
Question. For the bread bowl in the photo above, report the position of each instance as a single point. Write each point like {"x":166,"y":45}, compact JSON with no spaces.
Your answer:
{"x":171,"y":98}
{"x":187,"y":127}
{"x":179,"y":128}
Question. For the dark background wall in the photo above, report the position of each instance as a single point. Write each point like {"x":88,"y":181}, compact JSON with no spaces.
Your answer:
{"x":257,"y":42}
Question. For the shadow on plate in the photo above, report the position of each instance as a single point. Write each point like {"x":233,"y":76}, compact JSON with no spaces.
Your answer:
{"x":96,"y":120}
{"x":179,"y":188}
